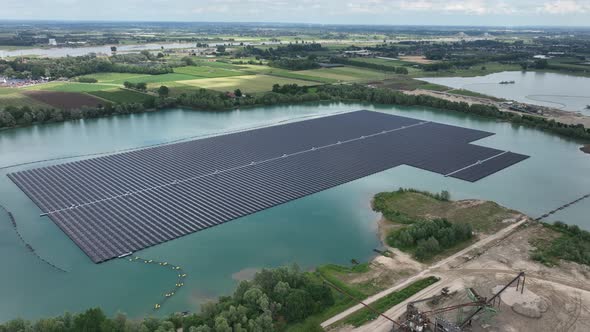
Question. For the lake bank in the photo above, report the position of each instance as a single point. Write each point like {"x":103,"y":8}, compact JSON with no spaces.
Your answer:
{"x":555,"y":90}
{"x":566,"y":117}
{"x":484,"y":265}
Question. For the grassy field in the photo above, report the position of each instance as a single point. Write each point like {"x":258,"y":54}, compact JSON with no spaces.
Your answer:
{"x":477,"y":70}
{"x":7,"y":91}
{"x":69,"y":87}
{"x":18,"y":99}
{"x":115,"y":78}
{"x":121,"y":96}
{"x":159,"y":79}
{"x":385,"y":303}
{"x":345,"y":74}
{"x":560,"y":241}
{"x":247,"y":83}
{"x":390,"y":63}
{"x":219,"y":64}
{"x":334,"y":273}
{"x":208,"y":72}
{"x":296,"y":75}
{"x":385,"y":62}
{"x":570,"y":66}
{"x":484,"y":216}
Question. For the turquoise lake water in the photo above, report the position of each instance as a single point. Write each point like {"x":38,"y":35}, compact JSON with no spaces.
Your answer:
{"x":333,"y":226}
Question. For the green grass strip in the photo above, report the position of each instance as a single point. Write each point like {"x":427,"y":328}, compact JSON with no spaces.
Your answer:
{"x":364,"y":315}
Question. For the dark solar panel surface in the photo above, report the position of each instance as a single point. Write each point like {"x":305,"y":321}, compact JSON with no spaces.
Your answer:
{"x":122,"y":203}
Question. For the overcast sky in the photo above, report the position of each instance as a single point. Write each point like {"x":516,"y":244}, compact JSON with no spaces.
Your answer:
{"x":394,"y":12}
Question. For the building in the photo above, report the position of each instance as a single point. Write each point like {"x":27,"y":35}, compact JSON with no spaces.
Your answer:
{"x":52,"y":42}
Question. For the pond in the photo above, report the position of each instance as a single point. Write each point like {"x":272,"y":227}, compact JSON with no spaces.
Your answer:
{"x":333,"y":226}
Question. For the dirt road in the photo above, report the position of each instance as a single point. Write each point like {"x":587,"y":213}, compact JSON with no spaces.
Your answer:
{"x":427,"y":272}
{"x":562,"y":116}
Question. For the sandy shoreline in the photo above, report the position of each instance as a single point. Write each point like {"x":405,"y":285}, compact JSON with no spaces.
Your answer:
{"x":548,"y":112}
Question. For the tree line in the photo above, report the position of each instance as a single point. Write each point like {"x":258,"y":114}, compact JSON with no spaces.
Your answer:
{"x":270,"y":302}
{"x":214,"y":100}
{"x":351,"y":62}
{"x":35,"y":68}
{"x":358,"y":92}
{"x":289,"y":51}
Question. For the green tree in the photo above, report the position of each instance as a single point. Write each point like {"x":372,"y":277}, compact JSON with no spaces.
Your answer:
{"x":221,"y":324}
{"x":141,"y":86}
{"x":445,"y":195}
{"x":89,"y":321}
{"x":6,"y":120}
{"x":163,"y":91}
{"x":238,"y":92}
{"x":541,"y":64}
{"x":298,"y":305}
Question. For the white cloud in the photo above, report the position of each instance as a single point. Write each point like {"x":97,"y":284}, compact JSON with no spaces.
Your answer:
{"x":561,"y":7}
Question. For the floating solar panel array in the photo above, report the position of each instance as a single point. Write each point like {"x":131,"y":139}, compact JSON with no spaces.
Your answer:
{"x":117,"y":204}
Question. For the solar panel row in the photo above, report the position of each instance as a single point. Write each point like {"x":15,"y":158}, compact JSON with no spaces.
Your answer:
{"x":113,"y":205}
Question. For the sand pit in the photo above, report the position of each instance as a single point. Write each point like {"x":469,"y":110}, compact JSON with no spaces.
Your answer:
{"x":526,"y":303}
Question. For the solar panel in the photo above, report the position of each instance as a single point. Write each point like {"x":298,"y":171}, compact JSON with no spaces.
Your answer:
{"x":121,"y":203}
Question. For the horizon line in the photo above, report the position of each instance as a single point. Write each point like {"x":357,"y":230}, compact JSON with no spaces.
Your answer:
{"x":10,"y":20}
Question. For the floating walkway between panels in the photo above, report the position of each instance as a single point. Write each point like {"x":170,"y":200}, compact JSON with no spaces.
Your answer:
{"x":118,"y":204}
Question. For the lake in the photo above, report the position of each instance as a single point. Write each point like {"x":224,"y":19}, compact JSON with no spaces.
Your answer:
{"x":567,"y":92}
{"x":333,"y":226}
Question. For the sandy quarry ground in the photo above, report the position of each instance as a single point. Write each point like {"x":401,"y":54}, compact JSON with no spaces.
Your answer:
{"x":555,"y":298}
{"x":550,"y":113}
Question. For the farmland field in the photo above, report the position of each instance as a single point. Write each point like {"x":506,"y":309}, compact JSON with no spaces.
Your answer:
{"x":297,"y":75}
{"x":378,"y":61}
{"x":18,"y":99}
{"x":247,"y":83}
{"x":121,"y":96}
{"x":120,"y":78}
{"x":69,"y":87}
{"x":157,"y":78}
{"x":219,"y":64}
{"x":7,"y":91}
{"x":207,"y":72}
{"x":345,"y":74}
{"x":391,"y":63}
{"x":116,"y":78}
{"x":64,"y":100}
